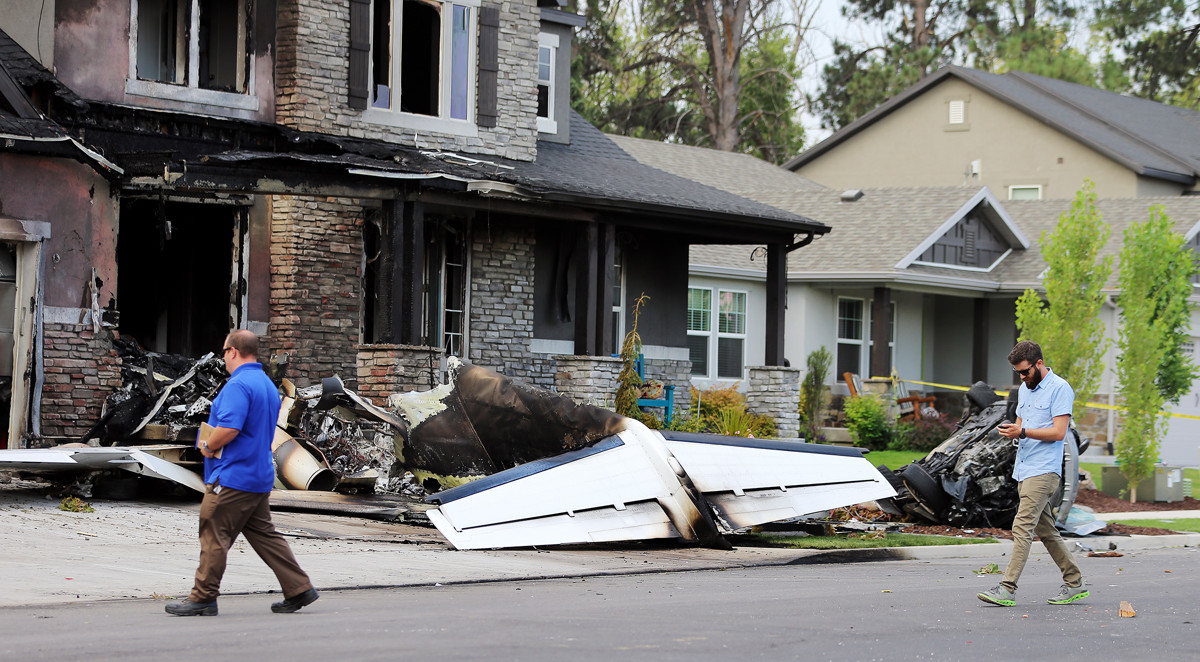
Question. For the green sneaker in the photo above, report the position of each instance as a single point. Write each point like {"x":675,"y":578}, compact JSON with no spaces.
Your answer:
{"x":1068,"y":594}
{"x":998,"y":595}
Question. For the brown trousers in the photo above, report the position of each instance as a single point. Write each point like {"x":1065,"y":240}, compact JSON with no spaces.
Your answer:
{"x":1034,"y":517}
{"x":222,"y":517}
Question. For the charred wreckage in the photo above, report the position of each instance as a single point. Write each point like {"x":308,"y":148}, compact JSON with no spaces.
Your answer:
{"x":967,"y":479}
{"x":500,"y":463}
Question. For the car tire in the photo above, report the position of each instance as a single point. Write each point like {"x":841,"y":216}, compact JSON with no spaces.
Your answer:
{"x":926,"y":489}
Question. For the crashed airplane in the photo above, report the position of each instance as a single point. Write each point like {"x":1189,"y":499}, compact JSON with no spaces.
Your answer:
{"x":504,"y":463}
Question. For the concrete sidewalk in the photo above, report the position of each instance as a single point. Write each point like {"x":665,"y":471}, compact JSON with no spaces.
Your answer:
{"x":149,"y":550}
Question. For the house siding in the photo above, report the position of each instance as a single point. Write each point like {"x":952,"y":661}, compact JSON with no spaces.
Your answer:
{"x":313,"y":78}
{"x":912,"y":146}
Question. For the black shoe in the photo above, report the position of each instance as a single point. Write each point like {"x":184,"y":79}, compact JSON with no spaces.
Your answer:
{"x":294,"y":603}
{"x":189,"y":608}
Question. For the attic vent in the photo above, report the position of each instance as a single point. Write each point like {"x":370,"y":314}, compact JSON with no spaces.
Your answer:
{"x":851,"y":195}
{"x":957,"y":111}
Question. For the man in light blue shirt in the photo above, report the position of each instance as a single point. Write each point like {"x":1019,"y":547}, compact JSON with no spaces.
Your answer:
{"x":1044,"y":404}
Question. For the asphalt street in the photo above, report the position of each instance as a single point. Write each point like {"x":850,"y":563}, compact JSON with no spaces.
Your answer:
{"x":897,"y":610}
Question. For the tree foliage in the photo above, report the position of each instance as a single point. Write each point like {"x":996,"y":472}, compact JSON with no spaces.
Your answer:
{"x":813,"y":396}
{"x":1155,"y":281}
{"x":1067,"y":324}
{"x":1153,"y":43}
{"x":628,"y":380}
{"x":712,"y":73}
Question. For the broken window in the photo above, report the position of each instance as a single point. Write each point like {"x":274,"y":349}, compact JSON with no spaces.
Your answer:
{"x":422,"y":57}
{"x":447,"y":261}
{"x":192,"y":43}
{"x":176,"y":272}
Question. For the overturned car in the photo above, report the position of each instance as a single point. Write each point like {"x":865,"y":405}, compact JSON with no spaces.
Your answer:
{"x":967,"y":480}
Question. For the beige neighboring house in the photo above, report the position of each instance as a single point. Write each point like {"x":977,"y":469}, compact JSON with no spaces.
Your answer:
{"x":1025,"y":137}
{"x":950,"y":263}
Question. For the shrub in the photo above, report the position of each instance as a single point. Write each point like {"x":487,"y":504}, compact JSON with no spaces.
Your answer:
{"x":921,"y":435}
{"x":868,"y":421}
{"x":724,"y":411}
{"x":813,"y":396}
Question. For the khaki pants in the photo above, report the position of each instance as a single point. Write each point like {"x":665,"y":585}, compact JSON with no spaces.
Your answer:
{"x":222,"y":517}
{"x":1033,"y":516}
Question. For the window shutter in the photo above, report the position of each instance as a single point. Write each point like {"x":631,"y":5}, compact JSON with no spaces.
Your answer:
{"x":489,"y":64}
{"x":360,"y":53}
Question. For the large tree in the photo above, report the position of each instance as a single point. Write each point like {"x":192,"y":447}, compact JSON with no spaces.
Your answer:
{"x":718,"y":73}
{"x":1067,"y":324}
{"x":1155,"y":281}
{"x":1154,"y":45}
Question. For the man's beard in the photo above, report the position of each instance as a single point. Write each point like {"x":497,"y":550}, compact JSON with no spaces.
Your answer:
{"x":1034,"y":379}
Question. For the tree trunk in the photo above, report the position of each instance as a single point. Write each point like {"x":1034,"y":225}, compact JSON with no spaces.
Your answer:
{"x":1132,"y":492}
{"x":721,"y":23}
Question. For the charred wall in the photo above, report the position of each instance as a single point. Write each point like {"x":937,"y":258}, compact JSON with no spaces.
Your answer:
{"x":316,"y":272}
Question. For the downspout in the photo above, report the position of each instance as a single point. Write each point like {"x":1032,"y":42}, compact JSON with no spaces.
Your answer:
{"x":35,"y":426}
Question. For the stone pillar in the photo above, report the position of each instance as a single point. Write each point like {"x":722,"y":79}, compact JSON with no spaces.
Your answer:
{"x":588,"y":379}
{"x":775,"y":391}
{"x":387,"y":369}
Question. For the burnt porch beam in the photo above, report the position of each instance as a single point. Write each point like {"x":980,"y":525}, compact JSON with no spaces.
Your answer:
{"x":881,"y":323}
{"x":776,"y":303}
{"x":408,"y":272}
{"x":587,"y":284}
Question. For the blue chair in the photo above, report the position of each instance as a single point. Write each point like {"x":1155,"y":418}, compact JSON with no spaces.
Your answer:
{"x":669,"y":391}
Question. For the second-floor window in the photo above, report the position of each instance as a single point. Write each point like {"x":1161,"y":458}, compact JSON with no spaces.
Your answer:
{"x":196,"y":44}
{"x":547,"y":53}
{"x":423,"y":57}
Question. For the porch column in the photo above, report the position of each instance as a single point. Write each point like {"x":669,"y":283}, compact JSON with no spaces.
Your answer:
{"x":408,"y":271}
{"x":881,"y":358}
{"x":776,"y":303}
{"x":587,"y":252}
{"x":979,"y":343}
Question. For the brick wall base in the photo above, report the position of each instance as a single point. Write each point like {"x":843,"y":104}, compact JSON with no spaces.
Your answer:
{"x":80,"y":369}
{"x":387,"y":369}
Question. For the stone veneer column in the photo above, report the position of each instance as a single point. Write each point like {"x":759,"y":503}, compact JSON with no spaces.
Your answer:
{"x":316,"y":276}
{"x":775,"y":392}
{"x":588,"y":379}
{"x":80,"y":369}
{"x":387,"y":369}
{"x":501,"y":314}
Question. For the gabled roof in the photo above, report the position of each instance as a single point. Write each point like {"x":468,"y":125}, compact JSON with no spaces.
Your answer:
{"x":29,"y":73}
{"x":990,"y":206}
{"x":1151,"y":139}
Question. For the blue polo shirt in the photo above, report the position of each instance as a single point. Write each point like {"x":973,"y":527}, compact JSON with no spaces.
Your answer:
{"x":1037,"y":408}
{"x":249,"y":402}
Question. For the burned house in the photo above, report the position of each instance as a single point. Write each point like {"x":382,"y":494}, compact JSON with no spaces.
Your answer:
{"x":369,"y":185}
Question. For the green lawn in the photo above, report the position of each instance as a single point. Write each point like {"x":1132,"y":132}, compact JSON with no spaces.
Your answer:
{"x":1182,"y":524}
{"x":1097,"y":470}
{"x":894,"y":459}
{"x":846,"y":542}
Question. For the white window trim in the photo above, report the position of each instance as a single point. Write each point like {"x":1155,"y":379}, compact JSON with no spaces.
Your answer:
{"x":710,"y":359}
{"x":549,"y":124}
{"x":718,"y":334}
{"x":837,"y":331}
{"x":618,"y":307}
{"x":442,"y":124}
{"x":1038,"y":187}
{"x":190,"y":91}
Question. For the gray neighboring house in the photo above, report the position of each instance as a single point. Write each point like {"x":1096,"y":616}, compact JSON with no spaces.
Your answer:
{"x":1023,"y":136}
{"x":950,"y":263}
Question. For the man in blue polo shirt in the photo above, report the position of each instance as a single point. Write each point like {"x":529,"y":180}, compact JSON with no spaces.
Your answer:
{"x":239,"y":474}
{"x":1044,"y":404}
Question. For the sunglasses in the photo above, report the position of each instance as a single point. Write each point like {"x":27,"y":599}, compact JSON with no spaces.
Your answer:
{"x":225,"y":351}
{"x":1025,"y":372}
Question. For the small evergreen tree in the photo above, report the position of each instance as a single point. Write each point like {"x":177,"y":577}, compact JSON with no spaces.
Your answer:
{"x":1069,"y":328}
{"x":1155,"y":281}
{"x":813,"y":397}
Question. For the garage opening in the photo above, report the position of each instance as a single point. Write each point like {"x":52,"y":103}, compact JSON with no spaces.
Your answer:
{"x":179,"y":274}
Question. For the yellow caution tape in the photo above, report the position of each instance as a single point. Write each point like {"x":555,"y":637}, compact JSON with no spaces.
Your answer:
{"x":1093,"y":405}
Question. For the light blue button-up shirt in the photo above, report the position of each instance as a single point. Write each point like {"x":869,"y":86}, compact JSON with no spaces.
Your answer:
{"x":1037,"y":408}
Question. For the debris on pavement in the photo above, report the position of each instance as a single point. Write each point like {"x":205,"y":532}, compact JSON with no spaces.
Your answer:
{"x":1126,"y":610}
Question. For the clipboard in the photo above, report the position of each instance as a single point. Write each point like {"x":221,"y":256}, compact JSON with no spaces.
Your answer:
{"x":205,"y":434}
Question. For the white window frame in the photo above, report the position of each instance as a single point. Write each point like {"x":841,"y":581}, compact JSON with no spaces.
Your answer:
{"x":618,"y":304}
{"x":707,"y":334}
{"x":864,"y":328}
{"x":443,"y":123}
{"x":1015,"y":187}
{"x":718,"y":334}
{"x":190,"y":91}
{"x":548,"y":124}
